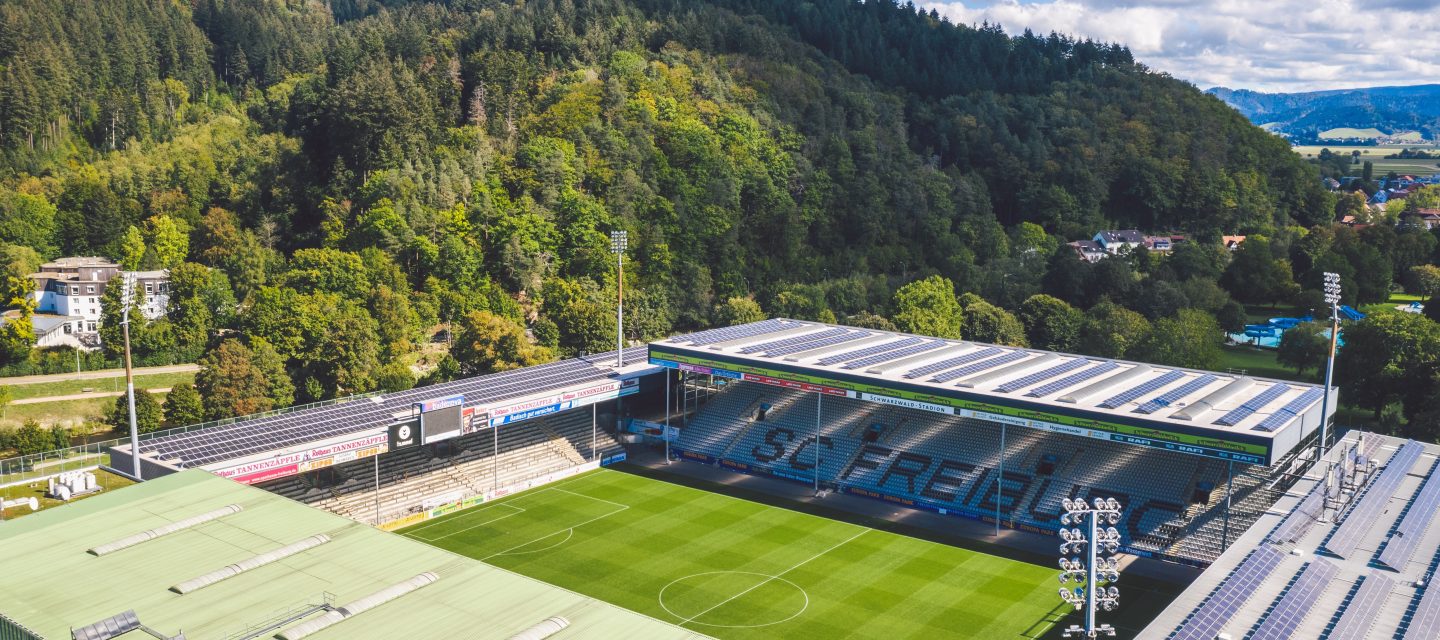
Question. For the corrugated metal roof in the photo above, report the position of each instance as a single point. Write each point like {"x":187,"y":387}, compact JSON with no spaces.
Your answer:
{"x":50,"y":584}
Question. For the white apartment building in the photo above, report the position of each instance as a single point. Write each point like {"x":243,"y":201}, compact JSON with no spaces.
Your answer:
{"x":72,"y":288}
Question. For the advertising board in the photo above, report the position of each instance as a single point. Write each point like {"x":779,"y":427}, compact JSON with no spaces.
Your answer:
{"x":956,"y":402}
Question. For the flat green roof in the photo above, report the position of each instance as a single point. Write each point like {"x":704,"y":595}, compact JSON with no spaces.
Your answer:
{"x":51,"y":584}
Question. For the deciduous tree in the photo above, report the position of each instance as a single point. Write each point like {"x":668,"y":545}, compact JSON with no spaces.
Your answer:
{"x":1051,"y":323}
{"x":486,"y":343}
{"x":929,"y":307}
{"x":183,"y":406}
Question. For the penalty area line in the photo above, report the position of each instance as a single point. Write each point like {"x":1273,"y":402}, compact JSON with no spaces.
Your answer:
{"x":570,"y":529}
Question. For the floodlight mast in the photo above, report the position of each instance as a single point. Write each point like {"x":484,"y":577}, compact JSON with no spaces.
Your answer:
{"x":619,"y":241}
{"x":1332,"y":297}
{"x":127,"y":296}
{"x":1091,"y":540}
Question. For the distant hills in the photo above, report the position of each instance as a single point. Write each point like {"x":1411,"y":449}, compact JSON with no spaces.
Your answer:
{"x":1328,"y":116}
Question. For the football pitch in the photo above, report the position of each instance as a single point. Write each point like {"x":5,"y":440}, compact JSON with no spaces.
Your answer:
{"x":731,"y":568}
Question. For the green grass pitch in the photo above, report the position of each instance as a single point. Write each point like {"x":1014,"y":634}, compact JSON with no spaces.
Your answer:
{"x":731,"y":568}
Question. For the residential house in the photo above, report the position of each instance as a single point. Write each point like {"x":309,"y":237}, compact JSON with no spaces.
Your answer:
{"x":73,"y":287}
{"x":1430,"y":218}
{"x":1162,"y":244}
{"x":56,"y":331}
{"x":1087,"y":250}
{"x":1115,"y":242}
{"x":1232,"y":242}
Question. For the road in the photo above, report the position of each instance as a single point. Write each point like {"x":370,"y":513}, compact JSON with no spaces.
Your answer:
{"x":96,"y":375}
{"x":82,"y":396}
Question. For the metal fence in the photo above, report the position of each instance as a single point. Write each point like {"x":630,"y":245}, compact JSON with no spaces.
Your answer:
{"x":42,"y":465}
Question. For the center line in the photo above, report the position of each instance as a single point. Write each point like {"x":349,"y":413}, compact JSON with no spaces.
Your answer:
{"x":774,"y":577}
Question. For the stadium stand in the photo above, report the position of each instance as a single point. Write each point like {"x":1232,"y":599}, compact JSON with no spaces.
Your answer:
{"x":1358,"y":588}
{"x":418,"y":478}
{"x":950,"y":463}
{"x":359,"y":584}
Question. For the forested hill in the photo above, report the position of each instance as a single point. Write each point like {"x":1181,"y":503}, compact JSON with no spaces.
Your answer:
{"x":474,"y":154}
{"x":1304,"y":116}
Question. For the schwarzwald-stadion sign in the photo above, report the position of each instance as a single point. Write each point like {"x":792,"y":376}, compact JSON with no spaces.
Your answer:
{"x":956,"y":402}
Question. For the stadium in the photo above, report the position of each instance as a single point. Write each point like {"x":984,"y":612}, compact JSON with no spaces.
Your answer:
{"x":778,"y":479}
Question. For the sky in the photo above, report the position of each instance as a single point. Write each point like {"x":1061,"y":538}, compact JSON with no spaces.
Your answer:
{"x":1264,"y":45}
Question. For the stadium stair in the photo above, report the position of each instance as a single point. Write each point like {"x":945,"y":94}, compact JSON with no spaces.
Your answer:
{"x":410,"y":478}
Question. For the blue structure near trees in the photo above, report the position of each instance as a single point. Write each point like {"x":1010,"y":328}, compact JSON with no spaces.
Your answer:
{"x":1268,"y":335}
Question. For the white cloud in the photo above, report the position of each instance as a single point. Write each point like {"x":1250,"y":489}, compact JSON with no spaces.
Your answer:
{"x":1266,"y":45}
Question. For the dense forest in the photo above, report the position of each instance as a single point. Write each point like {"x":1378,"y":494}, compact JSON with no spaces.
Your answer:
{"x":331,"y":183}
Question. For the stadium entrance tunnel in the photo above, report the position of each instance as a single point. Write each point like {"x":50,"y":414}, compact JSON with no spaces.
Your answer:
{"x":733,"y":599}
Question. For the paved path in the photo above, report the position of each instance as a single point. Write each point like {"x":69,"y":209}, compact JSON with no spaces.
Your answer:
{"x":83,"y":396}
{"x":96,"y":375}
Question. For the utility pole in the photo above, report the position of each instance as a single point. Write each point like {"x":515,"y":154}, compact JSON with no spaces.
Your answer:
{"x":619,"y":241}
{"x":1332,"y":296}
{"x":127,"y":298}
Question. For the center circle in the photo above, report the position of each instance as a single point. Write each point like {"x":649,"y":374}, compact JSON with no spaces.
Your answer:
{"x":696,"y":597}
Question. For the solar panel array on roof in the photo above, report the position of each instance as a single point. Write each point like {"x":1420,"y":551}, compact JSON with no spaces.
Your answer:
{"x":1363,"y":515}
{"x":869,"y":351}
{"x":1286,"y":615}
{"x":1284,"y":414}
{"x":1148,"y":386}
{"x":1249,"y":407}
{"x":730,"y":333}
{"x":1299,"y":521}
{"x":1364,"y":605}
{"x":951,"y":362}
{"x":1422,"y":512}
{"x":1425,"y":624}
{"x":1210,"y":618}
{"x":966,"y":370}
{"x":1073,"y":379}
{"x":1164,"y":400}
{"x":895,"y":355}
{"x":816,"y":344}
{"x":1040,"y":376}
{"x":247,"y":437}
{"x":797,"y":340}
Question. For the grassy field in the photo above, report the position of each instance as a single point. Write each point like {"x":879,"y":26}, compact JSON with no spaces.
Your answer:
{"x":74,"y":413}
{"x":738,"y":569}
{"x":1396,"y":299}
{"x":1256,"y":362}
{"x":106,"y":480}
{"x":1376,"y":155}
{"x":70,"y":387}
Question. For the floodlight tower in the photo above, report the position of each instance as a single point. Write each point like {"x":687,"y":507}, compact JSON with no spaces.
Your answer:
{"x":1332,"y":297}
{"x":1082,"y":561}
{"x":127,"y":297}
{"x":619,"y":241}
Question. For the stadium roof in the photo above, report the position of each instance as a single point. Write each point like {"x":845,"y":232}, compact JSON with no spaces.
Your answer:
{"x":51,"y":583}
{"x":1293,"y":575}
{"x":1223,"y":415}
{"x":271,"y":433}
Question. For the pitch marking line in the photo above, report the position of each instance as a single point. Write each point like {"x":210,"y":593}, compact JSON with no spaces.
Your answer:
{"x":463,"y":515}
{"x":774,"y":577}
{"x":517,"y":512}
{"x":792,"y":616}
{"x":569,"y":531}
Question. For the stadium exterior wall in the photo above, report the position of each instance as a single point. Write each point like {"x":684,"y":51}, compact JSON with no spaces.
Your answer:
{"x":12,"y":630}
{"x":911,"y":503}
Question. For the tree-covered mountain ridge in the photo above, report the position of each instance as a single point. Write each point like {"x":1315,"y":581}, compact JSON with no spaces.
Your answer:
{"x":1305,"y":115}
{"x":329,"y":181}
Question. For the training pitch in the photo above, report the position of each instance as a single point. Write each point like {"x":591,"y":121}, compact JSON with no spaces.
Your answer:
{"x":732,"y":568}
